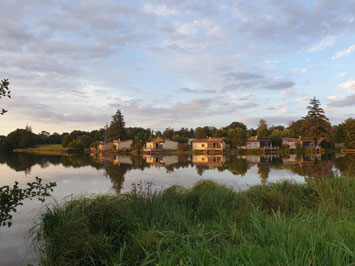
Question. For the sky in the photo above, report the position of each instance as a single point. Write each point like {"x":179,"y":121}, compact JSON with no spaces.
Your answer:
{"x":186,"y":63}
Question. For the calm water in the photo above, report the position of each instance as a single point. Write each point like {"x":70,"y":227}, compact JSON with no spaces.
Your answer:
{"x":77,"y":175}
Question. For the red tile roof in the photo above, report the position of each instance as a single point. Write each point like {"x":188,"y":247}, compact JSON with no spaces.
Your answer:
{"x":208,"y":140}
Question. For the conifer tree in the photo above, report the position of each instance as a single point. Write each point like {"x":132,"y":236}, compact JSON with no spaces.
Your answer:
{"x":316,"y":124}
{"x":116,"y":130}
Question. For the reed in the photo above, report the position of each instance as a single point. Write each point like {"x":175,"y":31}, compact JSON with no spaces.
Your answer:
{"x":209,"y":224}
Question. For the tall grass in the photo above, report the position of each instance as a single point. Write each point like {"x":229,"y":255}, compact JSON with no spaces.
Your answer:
{"x":209,"y":224}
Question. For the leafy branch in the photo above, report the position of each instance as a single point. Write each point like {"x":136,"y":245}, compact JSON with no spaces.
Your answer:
{"x":4,"y":92}
{"x":12,"y":197}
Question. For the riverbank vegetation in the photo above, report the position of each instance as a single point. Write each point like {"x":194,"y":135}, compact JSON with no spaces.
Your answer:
{"x":209,"y":224}
{"x":315,"y":124}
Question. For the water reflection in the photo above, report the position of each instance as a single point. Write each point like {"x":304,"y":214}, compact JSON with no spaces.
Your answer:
{"x":80,"y":174}
{"x":116,"y":167}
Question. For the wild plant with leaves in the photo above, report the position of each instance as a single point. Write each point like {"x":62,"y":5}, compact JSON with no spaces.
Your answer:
{"x":4,"y":92}
{"x":12,"y":197}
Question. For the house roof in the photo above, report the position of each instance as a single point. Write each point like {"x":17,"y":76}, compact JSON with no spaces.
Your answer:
{"x":155,"y":141}
{"x":118,"y":141}
{"x":256,"y":139}
{"x":306,"y":139}
{"x":208,"y":140}
{"x":290,"y":139}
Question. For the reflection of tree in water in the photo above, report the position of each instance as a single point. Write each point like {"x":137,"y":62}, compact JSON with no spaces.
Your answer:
{"x":181,"y":164}
{"x":237,"y":166}
{"x":346,"y":164}
{"x":263,"y":172}
{"x":200,"y":169}
{"x":25,"y":161}
{"x":117,"y":174}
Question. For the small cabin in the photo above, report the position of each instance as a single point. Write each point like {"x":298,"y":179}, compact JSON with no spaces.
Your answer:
{"x":290,"y":142}
{"x":157,"y":145}
{"x":258,"y":143}
{"x":210,"y":144}
{"x":122,"y":144}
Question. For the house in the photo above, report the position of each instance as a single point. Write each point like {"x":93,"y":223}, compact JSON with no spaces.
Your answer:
{"x":210,"y":144}
{"x":304,"y":142}
{"x":209,"y":160}
{"x":290,"y":142}
{"x":258,"y":143}
{"x":122,"y":144}
{"x":157,"y":145}
{"x":104,"y":146}
{"x":307,"y":142}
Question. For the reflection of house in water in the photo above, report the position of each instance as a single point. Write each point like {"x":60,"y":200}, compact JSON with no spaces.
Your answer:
{"x":122,"y":160}
{"x":255,"y":160}
{"x":294,"y":159}
{"x":160,"y":160}
{"x":115,"y":160}
{"x":209,"y":160}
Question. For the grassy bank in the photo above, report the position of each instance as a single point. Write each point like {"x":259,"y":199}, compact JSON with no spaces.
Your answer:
{"x":209,"y":224}
{"x":52,"y":149}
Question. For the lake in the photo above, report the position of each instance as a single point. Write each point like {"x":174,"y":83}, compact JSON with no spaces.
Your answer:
{"x":83,"y":175}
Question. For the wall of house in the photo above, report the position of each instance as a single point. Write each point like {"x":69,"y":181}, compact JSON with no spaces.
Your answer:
{"x":170,"y":145}
{"x":105,"y":146}
{"x":125,"y":145}
{"x":170,"y":159}
{"x":199,"y":146}
{"x":253,"y":145}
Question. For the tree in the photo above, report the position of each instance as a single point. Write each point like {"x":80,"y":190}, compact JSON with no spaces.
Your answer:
{"x":236,"y":125}
{"x":200,"y":133}
{"x":65,"y":140}
{"x":4,"y":92}
{"x":168,"y":133}
{"x":262,"y":129}
{"x":316,"y":124}
{"x":116,"y":130}
{"x":349,"y":132}
{"x":276,"y":137}
{"x":238,"y":137}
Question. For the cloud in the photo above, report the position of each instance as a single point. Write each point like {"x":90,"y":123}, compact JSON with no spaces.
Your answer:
{"x":160,"y":10}
{"x":339,"y":75}
{"x":188,"y":90}
{"x":332,"y":97}
{"x":326,"y":42}
{"x":345,"y":52}
{"x":348,"y":85}
{"x":254,"y":81}
{"x":283,"y":110}
{"x":299,"y":70}
{"x":347,"y":101}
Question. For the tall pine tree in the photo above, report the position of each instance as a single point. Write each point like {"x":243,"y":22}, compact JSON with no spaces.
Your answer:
{"x":116,"y":130}
{"x":316,"y":124}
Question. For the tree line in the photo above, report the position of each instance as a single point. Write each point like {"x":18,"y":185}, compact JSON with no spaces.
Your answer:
{"x":315,"y":124}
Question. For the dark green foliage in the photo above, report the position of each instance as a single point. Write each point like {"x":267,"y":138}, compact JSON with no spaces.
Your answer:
{"x":237,"y":137}
{"x":116,"y":130}
{"x":349,"y":132}
{"x":316,"y":124}
{"x":66,"y":140}
{"x":210,"y":224}
{"x":4,"y":92}
{"x":12,"y":197}
{"x":200,"y":133}
{"x":262,"y":130}
{"x":235,"y":125}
